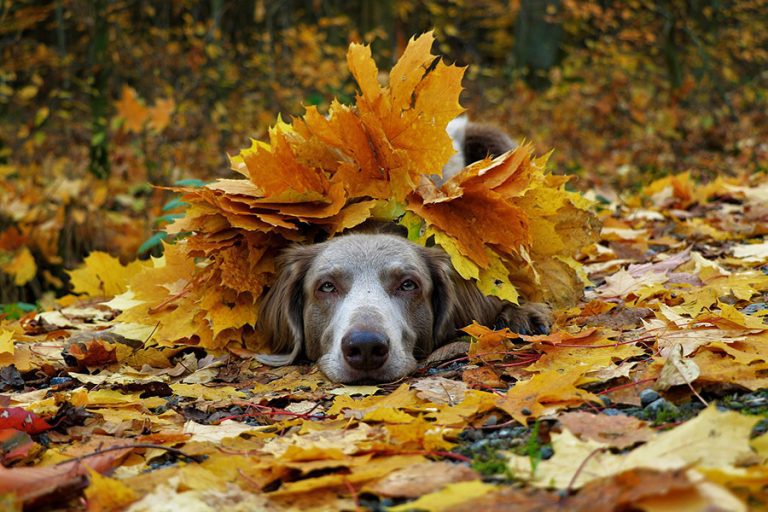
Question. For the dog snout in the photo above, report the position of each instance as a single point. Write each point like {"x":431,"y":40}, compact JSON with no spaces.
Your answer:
{"x":365,"y":350}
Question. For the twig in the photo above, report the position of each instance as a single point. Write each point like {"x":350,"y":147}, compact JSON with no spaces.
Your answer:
{"x":627,"y":385}
{"x":175,"y":451}
{"x":353,"y":493}
{"x":427,"y":453}
{"x":493,"y":427}
{"x":569,"y":489}
{"x":248,"y":479}
{"x":274,"y":411}
{"x":690,"y":386}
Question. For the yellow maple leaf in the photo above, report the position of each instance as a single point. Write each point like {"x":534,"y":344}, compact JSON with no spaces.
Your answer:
{"x":719,"y":368}
{"x":447,"y":497}
{"x":489,"y":344}
{"x":6,"y":347}
{"x":130,"y":108}
{"x":105,"y":493}
{"x":376,"y":468}
{"x":587,"y":352}
{"x":545,"y":392}
{"x":713,"y":439}
{"x":401,"y":398}
{"x":22,"y":267}
{"x":474,"y":403}
{"x":406,"y":121}
{"x":102,"y":275}
{"x":160,"y":114}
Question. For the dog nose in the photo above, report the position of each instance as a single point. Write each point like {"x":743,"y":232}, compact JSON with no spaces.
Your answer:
{"x":365,"y":350}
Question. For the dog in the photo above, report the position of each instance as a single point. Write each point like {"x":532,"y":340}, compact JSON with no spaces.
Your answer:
{"x":366,"y":306}
{"x":472,"y":142}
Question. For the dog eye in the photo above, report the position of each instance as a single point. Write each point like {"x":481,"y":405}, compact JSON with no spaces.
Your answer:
{"x":408,"y":285}
{"x":327,"y":287}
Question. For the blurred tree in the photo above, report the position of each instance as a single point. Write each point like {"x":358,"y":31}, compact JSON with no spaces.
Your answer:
{"x":99,"y":149}
{"x":539,"y":39}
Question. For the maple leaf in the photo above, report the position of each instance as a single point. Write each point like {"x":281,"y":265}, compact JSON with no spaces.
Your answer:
{"x":507,"y":224}
{"x":420,"y":479}
{"x":160,"y":114}
{"x":489,"y":344}
{"x":25,"y":421}
{"x":22,"y":267}
{"x":130,"y":108}
{"x":504,"y":222}
{"x":545,"y":392}
{"x":104,"y":493}
{"x":617,"y":431}
{"x":712,"y":439}
{"x":103,"y":275}
{"x":407,"y":120}
{"x":449,"y":496}
{"x":6,"y":347}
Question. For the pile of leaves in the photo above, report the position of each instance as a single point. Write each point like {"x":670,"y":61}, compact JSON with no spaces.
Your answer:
{"x":80,"y":214}
{"x":650,"y":393}
{"x":506,"y":222}
{"x":186,"y":86}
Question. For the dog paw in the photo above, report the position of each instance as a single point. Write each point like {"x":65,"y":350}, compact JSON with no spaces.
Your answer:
{"x":527,"y":319}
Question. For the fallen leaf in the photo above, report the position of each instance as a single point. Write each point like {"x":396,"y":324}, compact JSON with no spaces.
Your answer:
{"x":676,"y":370}
{"x":712,"y":439}
{"x":130,"y":108}
{"x":448,"y":496}
{"x":617,"y":431}
{"x":420,"y":479}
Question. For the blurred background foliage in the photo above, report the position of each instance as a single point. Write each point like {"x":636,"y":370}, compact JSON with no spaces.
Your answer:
{"x":101,"y":99}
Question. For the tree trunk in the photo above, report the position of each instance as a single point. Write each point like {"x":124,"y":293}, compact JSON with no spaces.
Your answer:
{"x":99,"y":153}
{"x":538,"y":39}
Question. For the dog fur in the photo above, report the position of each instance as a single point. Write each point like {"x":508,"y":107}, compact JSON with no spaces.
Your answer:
{"x":387,"y":293}
{"x":472,"y":142}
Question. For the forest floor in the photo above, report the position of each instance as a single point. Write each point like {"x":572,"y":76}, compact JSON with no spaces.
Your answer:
{"x":650,"y":393}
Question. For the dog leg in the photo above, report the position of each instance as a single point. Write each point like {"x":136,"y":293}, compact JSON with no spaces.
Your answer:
{"x":528,"y":318}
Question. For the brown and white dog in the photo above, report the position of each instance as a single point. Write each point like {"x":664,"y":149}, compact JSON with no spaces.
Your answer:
{"x":366,"y":306}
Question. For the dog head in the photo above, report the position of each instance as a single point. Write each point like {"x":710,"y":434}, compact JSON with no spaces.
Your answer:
{"x":364,"y":306}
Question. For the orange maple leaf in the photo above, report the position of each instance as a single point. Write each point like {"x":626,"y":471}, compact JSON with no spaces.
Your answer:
{"x":130,"y":108}
{"x":545,"y":392}
{"x":160,"y":114}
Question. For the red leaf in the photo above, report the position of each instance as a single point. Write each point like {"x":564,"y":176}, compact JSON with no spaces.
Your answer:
{"x":20,"y":419}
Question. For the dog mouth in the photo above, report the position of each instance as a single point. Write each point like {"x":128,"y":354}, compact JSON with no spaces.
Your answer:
{"x":339,"y":371}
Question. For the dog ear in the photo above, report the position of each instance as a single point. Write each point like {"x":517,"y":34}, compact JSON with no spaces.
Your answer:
{"x":456,"y":302}
{"x":281,"y":315}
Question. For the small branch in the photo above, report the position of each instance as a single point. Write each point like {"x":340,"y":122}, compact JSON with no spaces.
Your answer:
{"x":274,"y":411}
{"x":627,"y":385}
{"x":354,"y":494}
{"x":690,"y":386}
{"x":178,"y":453}
{"x":569,"y":489}
{"x":426,"y":453}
